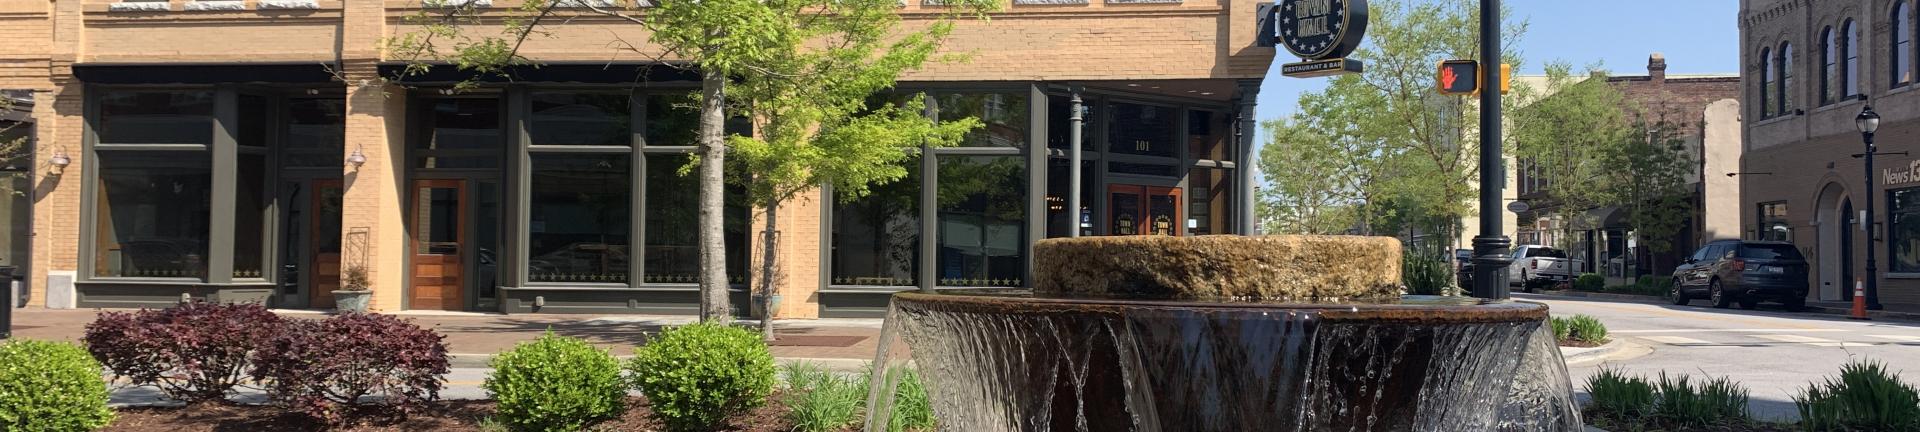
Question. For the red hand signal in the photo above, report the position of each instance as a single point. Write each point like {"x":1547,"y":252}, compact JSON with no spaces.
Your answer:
{"x":1447,"y":77}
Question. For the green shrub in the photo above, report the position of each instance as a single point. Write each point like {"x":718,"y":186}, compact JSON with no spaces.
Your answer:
{"x":1717,"y":401}
{"x":912,"y":410}
{"x":1589,"y":282}
{"x":1864,"y":397}
{"x":1426,"y":272}
{"x":1586,"y":328}
{"x":1617,"y":395}
{"x":555,"y":383}
{"x":50,"y":386}
{"x":822,"y":400}
{"x":1562,"y":329}
{"x":694,"y":376}
{"x":1654,"y":283}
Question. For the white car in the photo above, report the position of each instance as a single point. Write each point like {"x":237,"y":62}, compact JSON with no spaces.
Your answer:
{"x":1535,"y":266}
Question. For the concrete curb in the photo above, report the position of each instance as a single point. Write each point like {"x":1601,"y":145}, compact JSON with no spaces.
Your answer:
{"x":1576,"y":355}
{"x":479,"y":361}
{"x":1879,"y":315}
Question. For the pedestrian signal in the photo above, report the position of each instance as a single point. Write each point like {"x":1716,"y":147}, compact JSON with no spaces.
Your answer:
{"x":1459,"y":77}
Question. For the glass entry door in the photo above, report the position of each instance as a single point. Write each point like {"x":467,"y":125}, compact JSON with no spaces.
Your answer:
{"x":440,"y":215}
{"x":1143,"y":210}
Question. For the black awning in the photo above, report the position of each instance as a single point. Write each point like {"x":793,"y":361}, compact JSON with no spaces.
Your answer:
{"x":300,"y":73}
{"x":585,"y":73}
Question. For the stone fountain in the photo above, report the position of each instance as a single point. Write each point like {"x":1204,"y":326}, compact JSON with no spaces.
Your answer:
{"x":1225,"y":333}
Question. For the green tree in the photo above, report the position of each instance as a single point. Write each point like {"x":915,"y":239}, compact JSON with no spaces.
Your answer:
{"x":796,"y":66}
{"x":1652,"y":166}
{"x":1567,"y":136}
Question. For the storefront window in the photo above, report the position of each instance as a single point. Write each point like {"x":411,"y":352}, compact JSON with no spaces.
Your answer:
{"x":250,"y":218}
{"x":1146,"y":130}
{"x":462,"y":124}
{"x":673,"y":224}
{"x":316,"y":133}
{"x":581,"y":119}
{"x":672,"y":120}
{"x":1003,"y":117}
{"x":876,"y":239}
{"x":1773,"y":222}
{"x":982,"y":221}
{"x":156,"y":117}
{"x":152,"y":211}
{"x":1061,"y":222}
{"x":1204,"y":137}
{"x":1903,"y":229}
{"x":579,"y":217}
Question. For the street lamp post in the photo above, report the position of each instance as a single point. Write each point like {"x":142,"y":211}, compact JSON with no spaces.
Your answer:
{"x":1490,"y":248}
{"x":1869,"y":121}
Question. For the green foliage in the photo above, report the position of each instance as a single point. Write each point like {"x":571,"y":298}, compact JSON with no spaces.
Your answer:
{"x":555,"y":383}
{"x":50,"y":386}
{"x":1685,"y":403}
{"x":1565,"y":133}
{"x":1589,"y":282}
{"x":1617,"y":395}
{"x":1562,"y":328}
{"x":1866,"y":396}
{"x":694,"y":376}
{"x":1426,"y":272}
{"x":1650,"y":181}
{"x":821,"y":400}
{"x":912,"y":409}
{"x":1586,"y":328}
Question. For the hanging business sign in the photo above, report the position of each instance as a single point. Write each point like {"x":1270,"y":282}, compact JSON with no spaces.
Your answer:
{"x":1321,"y":32}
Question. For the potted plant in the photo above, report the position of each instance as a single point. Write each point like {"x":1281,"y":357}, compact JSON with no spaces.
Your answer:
{"x":353,"y":293}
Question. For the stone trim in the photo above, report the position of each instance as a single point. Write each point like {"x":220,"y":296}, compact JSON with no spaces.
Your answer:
{"x":140,"y":6}
{"x":216,"y":5}
{"x":286,"y":4}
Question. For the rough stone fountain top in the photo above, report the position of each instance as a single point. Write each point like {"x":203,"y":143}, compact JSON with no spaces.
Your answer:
{"x":1219,"y":267}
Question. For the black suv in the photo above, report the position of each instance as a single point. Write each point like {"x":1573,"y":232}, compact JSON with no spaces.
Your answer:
{"x":1744,"y":272}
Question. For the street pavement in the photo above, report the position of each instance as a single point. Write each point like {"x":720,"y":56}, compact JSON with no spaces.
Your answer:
{"x":1773,"y":352}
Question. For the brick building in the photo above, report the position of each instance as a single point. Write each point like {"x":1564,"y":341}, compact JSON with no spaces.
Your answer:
{"x":1807,"y":70}
{"x":250,"y":149}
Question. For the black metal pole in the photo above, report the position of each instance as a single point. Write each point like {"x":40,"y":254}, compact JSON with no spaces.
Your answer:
{"x":1490,"y":248}
{"x":1873,"y":279}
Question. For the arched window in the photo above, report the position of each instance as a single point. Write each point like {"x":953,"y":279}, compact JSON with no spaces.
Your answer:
{"x":1766,"y":82}
{"x":1784,"y":96}
{"x":1829,"y":67}
{"x":1902,"y":54}
{"x":1850,"y":63}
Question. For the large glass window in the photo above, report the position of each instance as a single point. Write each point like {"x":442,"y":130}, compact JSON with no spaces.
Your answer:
{"x":1850,"y":63}
{"x":673,"y":224}
{"x":1903,"y":229}
{"x":1902,"y":47}
{"x":876,"y":239}
{"x":316,"y":133}
{"x":672,"y":120}
{"x":581,"y":119}
{"x":1060,"y":221}
{"x":250,"y":217}
{"x":1773,"y":222}
{"x":1142,"y":129}
{"x":152,"y":214}
{"x":1830,"y":66}
{"x":579,"y":217}
{"x":1003,"y":116}
{"x":1766,"y":83}
{"x":1785,"y":89}
{"x":461,"y":133}
{"x":156,"y":117}
{"x":982,"y":221}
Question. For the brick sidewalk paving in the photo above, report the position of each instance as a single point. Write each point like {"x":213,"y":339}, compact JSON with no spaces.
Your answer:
{"x":486,"y":334}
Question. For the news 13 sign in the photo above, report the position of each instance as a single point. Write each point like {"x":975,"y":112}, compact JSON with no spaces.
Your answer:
{"x":1315,"y":29}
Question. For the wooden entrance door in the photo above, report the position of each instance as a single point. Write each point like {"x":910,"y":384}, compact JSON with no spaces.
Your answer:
{"x":440,"y":216}
{"x":323,"y":222}
{"x":1143,"y":210}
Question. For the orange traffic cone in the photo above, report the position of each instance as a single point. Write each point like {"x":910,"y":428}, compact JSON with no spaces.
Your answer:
{"x":1859,"y":301}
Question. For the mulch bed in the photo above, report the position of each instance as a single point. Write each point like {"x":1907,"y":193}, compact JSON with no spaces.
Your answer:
{"x":1613,"y":424}
{"x":460,"y":415}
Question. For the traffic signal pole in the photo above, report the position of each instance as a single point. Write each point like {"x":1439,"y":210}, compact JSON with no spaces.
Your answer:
{"x":1491,"y":248}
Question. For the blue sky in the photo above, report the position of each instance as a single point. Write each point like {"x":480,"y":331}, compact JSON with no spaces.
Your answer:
{"x":1697,"y":36}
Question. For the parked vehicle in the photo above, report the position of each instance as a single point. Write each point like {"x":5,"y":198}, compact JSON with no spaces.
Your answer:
{"x":1536,"y":266}
{"x":1745,"y":272}
{"x":1463,"y":267}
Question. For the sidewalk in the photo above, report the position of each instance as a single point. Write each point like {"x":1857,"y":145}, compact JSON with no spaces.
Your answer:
{"x":472,"y":337}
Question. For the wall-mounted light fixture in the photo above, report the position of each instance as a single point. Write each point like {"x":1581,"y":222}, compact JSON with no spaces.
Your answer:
{"x":59,"y":162}
{"x":357,"y":158}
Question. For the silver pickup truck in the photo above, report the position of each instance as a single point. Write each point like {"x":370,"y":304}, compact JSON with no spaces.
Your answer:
{"x":1537,"y":266}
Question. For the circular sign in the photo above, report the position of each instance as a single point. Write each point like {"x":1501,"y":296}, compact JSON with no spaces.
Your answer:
{"x":1518,"y":207}
{"x":1321,"y":29}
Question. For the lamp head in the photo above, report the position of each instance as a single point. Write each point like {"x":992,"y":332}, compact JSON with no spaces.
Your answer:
{"x":1868,"y":121}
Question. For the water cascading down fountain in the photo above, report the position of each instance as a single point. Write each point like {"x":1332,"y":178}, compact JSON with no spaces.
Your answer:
{"x":1224,"y":333}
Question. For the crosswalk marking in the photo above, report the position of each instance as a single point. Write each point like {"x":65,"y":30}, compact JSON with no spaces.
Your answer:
{"x":1810,"y":340}
{"x":1679,"y":340}
{"x":1898,"y":338}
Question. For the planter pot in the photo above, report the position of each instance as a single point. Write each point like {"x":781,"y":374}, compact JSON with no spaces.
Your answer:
{"x":352,"y":301}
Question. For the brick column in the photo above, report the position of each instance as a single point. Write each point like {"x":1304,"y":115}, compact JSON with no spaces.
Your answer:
{"x":373,"y":226}
{"x":56,"y":215}
{"x":799,"y":283}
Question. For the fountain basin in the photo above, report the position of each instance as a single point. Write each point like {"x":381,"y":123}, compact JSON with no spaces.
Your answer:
{"x":1006,"y":360}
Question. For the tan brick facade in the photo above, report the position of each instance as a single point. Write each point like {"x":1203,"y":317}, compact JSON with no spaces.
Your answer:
{"x":1201,"y":45}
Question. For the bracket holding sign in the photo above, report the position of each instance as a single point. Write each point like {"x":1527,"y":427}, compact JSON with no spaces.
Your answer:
{"x":1321,"y":32}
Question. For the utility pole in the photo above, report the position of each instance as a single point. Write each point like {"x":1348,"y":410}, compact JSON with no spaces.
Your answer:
{"x":1491,"y":248}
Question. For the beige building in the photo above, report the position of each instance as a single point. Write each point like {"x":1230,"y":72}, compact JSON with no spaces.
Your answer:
{"x":253,"y":149}
{"x":1807,"y":70}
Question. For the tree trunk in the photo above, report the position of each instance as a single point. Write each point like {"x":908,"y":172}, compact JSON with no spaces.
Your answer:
{"x":769,"y":269}
{"x":714,"y":306}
